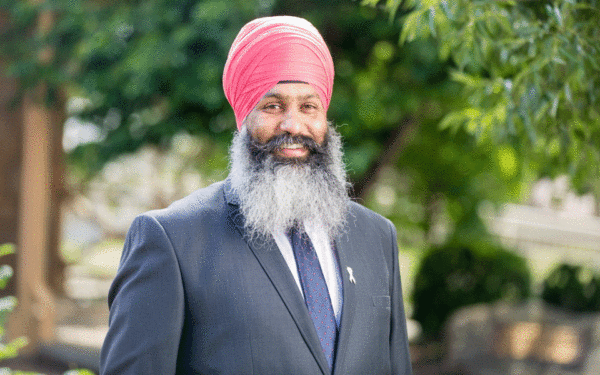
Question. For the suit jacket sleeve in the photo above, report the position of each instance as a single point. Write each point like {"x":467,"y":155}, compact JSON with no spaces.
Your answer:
{"x":399,"y":355}
{"x":146,"y":303}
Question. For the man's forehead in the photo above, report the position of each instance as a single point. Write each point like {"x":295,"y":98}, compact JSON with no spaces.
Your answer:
{"x":288,"y":89}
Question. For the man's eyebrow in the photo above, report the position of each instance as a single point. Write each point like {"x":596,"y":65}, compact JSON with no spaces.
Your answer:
{"x":281,"y":97}
{"x":273,"y":95}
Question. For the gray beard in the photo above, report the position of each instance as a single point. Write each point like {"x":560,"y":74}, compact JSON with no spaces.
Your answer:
{"x":276,"y":195}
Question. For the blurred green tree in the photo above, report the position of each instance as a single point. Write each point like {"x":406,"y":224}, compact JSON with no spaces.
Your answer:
{"x":145,"y":71}
{"x":529,"y":73}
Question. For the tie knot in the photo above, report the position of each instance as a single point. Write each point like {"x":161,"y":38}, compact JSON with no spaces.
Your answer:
{"x":299,"y":238}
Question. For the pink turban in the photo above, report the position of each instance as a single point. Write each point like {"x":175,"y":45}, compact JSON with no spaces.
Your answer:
{"x":273,"y":49}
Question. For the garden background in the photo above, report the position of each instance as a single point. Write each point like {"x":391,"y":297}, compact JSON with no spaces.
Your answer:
{"x":473,"y":125}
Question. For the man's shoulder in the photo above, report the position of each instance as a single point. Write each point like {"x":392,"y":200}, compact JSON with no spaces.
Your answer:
{"x":209,"y":200}
{"x":362,"y":214}
{"x":372,"y":231}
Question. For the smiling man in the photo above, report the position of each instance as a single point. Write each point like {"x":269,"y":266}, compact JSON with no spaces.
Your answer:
{"x":274,"y":270}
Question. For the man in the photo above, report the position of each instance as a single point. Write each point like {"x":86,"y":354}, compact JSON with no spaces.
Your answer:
{"x":274,"y":270}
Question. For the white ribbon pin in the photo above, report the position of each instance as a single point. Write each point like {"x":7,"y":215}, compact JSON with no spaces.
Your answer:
{"x":351,"y":275}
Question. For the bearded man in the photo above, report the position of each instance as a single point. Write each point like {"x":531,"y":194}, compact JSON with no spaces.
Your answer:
{"x":274,"y":270}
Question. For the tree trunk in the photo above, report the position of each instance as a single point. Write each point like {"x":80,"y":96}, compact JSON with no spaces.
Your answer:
{"x":38,"y":260}
{"x":10,"y":160}
{"x":55,"y":267}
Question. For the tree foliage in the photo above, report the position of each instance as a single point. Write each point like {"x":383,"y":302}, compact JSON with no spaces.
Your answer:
{"x":144,"y":72}
{"x":530,"y":73}
{"x":572,"y":287}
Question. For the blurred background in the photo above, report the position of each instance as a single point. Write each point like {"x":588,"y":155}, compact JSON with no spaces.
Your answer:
{"x":473,"y":126}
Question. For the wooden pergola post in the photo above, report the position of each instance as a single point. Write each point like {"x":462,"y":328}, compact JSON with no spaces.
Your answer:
{"x":34,"y":317}
{"x":35,"y":314}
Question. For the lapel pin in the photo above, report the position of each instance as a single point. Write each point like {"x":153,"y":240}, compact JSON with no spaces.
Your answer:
{"x":351,"y":275}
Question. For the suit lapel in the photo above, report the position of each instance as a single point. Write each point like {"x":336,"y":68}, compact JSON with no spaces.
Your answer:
{"x":346,"y":252}
{"x":268,"y":255}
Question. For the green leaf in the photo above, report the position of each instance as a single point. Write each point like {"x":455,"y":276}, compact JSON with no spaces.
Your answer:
{"x":11,"y":350}
{"x":413,"y":27}
{"x":541,"y":112}
{"x":7,"y":248}
{"x":384,"y":50}
{"x":6,"y":273}
{"x":7,"y":304}
{"x":452,"y":120}
{"x":447,"y":11}
{"x":431,"y":17}
{"x":468,"y":80}
{"x":554,"y":108}
{"x":79,"y":372}
{"x":507,"y":160}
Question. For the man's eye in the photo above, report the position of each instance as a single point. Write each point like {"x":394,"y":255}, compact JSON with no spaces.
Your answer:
{"x":272,"y":106}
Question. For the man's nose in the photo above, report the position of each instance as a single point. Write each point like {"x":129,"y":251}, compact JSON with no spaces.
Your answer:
{"x":292,"y":122}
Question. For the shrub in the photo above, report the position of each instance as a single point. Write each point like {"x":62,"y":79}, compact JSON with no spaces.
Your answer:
{"x":456,"y":275}
{"x":572,"y":287}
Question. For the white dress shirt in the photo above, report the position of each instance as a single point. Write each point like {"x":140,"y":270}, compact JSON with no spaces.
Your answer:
{"x":327,"y":259}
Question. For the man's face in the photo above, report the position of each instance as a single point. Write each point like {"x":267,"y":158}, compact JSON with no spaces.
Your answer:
{"x":293,"y":109}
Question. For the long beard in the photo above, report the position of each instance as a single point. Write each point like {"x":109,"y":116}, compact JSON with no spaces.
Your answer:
{"x":276,"y":193}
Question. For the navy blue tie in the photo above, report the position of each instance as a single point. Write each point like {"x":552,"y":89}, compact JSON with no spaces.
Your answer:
{"x":315,"y":291}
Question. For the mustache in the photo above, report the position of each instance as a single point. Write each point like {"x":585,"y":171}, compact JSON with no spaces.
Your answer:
{"x":277,"y":142}
{"x":260,"y":151}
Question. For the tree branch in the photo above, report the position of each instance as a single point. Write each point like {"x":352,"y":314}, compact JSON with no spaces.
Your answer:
{"x":399,"y":137}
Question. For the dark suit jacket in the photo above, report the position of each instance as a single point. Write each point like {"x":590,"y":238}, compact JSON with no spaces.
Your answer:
{"x":194,"y":296}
